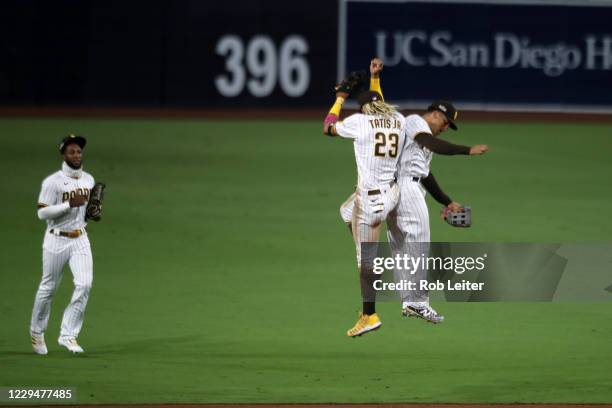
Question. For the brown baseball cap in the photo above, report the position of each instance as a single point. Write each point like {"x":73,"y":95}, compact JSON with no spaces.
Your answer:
{"x":447,"y":109}
{"x":70,"y":139}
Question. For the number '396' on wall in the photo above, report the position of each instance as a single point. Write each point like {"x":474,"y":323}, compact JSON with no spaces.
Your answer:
{"x":260,"y":66}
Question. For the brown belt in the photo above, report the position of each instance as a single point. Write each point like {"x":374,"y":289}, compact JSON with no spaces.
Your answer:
{"x":67,"y":234}
{"x":374,"y":192}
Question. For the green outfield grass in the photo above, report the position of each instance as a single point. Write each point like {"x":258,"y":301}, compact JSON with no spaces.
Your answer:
{"x":222,"y":272}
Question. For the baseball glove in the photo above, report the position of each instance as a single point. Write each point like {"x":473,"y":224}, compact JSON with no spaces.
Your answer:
{"x":355,"y":83}
{"x":94,"y":206}
{"x":461,"y":219}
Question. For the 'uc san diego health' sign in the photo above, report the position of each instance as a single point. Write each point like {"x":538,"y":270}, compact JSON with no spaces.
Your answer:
{"x":548,"y":55}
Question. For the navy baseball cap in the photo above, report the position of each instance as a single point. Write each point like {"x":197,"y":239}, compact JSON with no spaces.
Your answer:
{"x":70,"y":139}
{"x":447,"y":109}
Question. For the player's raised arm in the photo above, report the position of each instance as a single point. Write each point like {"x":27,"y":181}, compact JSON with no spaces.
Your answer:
{"x":376,"y":67}
{"x":354,"y":84}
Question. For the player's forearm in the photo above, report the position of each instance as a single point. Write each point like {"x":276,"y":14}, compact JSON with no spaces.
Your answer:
{"x":53,"y":211}
{"x":440,"y":146}
{"x":375,"y":85}
{"x":333,"y":116}
{"x":334,"y":113}
{"x":431,"y":185}
{"x":376,"y":67}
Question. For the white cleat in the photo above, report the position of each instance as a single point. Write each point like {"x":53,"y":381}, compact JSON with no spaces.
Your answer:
{"x":38,"y":344}
{"x":426,"y":313}
{"x":71,"y":344}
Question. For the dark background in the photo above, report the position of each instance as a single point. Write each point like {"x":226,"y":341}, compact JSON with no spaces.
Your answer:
{"x":155,"y":53}
{"x":161,"y":53}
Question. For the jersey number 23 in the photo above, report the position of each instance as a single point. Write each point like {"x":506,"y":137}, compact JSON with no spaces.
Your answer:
{"x":386,"y":145}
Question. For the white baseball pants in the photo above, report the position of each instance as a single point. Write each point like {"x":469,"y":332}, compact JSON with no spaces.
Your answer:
{"x":57,"y":251}
{"x":408,"y":233}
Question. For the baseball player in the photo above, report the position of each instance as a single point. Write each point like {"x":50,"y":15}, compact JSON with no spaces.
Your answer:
{"x":62,"y":203}
{"x":376,"y":68}
{"x":408,"y":225}
{"x":377,"y":132}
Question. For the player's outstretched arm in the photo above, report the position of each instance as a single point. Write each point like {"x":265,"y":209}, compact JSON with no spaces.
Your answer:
{"x":441,"y":146}
{"x":478,"y":149}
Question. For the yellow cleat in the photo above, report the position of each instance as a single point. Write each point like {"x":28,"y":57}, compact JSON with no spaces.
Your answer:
{"x":366,"y":323}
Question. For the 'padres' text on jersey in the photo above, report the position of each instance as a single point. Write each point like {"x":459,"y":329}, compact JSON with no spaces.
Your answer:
{"x":378,"y":142}
{"x":59,"y":188}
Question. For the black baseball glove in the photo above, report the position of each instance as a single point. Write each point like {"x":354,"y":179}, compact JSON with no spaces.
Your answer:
{"x":94,"y":206}
{"x":355,"y":83}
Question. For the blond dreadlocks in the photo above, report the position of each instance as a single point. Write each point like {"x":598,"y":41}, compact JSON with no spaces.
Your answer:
{"x":379,"y":108}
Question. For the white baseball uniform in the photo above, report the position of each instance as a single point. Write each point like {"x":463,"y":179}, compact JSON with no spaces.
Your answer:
{"x":53,"y":202}
{"x":408,"y":226}
{"x":378,"y":142}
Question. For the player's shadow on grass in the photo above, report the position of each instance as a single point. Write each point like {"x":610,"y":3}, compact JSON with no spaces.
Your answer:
{"x":135,"y":347}
{"x":12,"y":353}
{"x":54,"y":354}
{"x":147,"y":346}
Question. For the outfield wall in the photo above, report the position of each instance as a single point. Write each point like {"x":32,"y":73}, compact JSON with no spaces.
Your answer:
{"x":526,"y":55}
